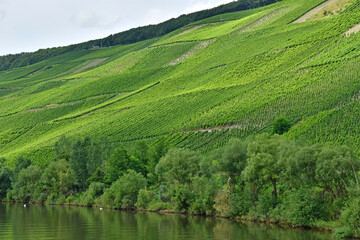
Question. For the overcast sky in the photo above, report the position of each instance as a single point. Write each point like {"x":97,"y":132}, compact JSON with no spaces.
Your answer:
{"x":28,"y":25}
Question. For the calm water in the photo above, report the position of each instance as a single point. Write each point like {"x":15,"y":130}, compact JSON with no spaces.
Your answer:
{"x":56,"y":222}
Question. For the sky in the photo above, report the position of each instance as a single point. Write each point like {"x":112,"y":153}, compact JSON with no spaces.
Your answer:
{"x":29,"y":25}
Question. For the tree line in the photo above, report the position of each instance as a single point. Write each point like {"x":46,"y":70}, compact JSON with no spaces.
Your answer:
{"x":265,"y":178}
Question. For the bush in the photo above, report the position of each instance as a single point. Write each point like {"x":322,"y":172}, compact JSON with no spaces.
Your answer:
{"x":266,"y":203}
{"x":5,"y":180}
{"x":95,"y":190}
{"x":124,"y":191}
{"x":305,"y":208}
{"x":350,"y":220}
{"x":281,"y":126}
{"x":183,"y":198}
{"x":204,"y":189}
{"x":144,"y":198}
{"x":178,"y":166}
{"x":240,"y":202}
{"x":58,"y":180}
{"x":158,"y":206}
{"x":27,"y":186}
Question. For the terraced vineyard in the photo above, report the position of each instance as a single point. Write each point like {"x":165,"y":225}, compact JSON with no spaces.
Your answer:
{"x":227,"y":76}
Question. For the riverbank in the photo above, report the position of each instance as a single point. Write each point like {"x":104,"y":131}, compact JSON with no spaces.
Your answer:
{"x":326,"y":228}
{"x":58,"y":222}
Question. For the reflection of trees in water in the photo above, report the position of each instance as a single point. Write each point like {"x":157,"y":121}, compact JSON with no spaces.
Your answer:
{"x":56,"y":222}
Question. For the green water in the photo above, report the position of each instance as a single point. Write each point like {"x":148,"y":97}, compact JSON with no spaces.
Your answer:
{"x":57,"y":222}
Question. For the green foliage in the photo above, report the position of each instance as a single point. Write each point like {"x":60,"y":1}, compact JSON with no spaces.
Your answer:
{"x":21,"y":164}
{"x":241,"y":201}
{"x":234,"y":158}
{"x":301,"y":168}
{"x":79,"y":161}
{"x":27,"y":186}
{"x":281,"y":125}
{"x":178,"y":166}
{"x":265,"y":162}
{"x":124,"y":191}
{"x":183,"y":197}
{"x":204,"y":189}
{"x":58,"y":179}
{"x":6,"y":176}
{"x":350,"y":220}
{"x":265,"y":204}
{"x":95,"y":190}
{"x":63,"y":148}
{"x":144,"y":198}
{"x":87,"y":157}
{"x":335,"y":167}
{"x":118,"y":164}
{"x":305,"y":208}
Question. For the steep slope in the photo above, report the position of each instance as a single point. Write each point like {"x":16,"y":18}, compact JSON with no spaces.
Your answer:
{"x":196,"y":87}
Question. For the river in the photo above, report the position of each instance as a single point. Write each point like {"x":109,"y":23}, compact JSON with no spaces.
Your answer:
{"x":58,"y":222}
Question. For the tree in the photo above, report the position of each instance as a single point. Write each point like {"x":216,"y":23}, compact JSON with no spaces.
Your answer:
{"x":63,"y":148}
{"x":58,"y":178}
{"x":79,"y":160}
{"x":5,"y":180}
{"x":178,"y":165}
{"x":27,"y":185}
{"x":119,"y":163}
{"x":233,"y":160}
{"x":301,"y":168}
{"x":142,"y":154}
{"x":266,"y":161}
{"x":281,"y":126}
{"x":124,"y":191}
{"x":21,"y":163}
{"x":336,"y":168}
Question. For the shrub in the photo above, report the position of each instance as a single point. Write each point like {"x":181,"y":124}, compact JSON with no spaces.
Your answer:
{"x":95,"y":190}
{"x":144,"y":198}
{"x":5,"y":180}
{"x":124,"y":191}
{"x":350,"y":220}
{"x":281,"y":126}
{"x":305,"y":208}
{"x":183,"y":198}
{"x":27,"y":186}
{"x":240,"y":201}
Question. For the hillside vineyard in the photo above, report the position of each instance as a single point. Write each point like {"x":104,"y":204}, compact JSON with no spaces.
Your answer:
{"x":250,"y":114}
{"x":227,"y":76}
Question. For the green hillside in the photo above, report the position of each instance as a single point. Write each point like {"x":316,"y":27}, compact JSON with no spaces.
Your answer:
{"x":227,"y":76}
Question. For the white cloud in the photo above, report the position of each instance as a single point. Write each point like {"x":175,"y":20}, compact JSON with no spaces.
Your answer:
{"x":2,"y":14}
{"x":195,"y":6}
{"x":153,"y":15}
{"x":29,"y":25}
{"x":86,"y":19}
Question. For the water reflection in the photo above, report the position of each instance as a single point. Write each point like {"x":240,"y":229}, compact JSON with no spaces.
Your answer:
{"x":56,"y":222}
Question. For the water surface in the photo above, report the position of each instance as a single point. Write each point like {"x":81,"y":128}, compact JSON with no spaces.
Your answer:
{"x":58,"y":222}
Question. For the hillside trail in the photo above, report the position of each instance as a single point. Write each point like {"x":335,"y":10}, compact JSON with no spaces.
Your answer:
{"x":93,"y":63}
{"x":314,"y":11}
{"x":352,"y":30}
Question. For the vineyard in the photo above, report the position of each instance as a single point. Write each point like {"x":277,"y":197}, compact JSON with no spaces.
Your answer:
{"x":227,"y":76}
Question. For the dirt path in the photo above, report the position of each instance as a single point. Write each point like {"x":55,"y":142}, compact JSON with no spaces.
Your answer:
{"x":314,"y":11}
{"x":262,"y":20}
{"x":190,"y":53}
{"x":227,"y":127}
{"x":355,"y":29}
{"x":91,"y":64}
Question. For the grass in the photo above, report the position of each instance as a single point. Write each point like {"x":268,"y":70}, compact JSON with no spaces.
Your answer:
{"x":257,"y":67}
